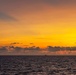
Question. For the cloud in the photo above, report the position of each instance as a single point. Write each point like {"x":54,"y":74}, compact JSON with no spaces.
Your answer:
{"x":32,"y":48}
{"x":3,"y":49}
{"x":58,"y":48}
{"x":31,"y":43}
{"x":19,"y":49}
{"x":53,"y":49}
{"x":15,"y":43}
{"x":6,"y":17}
{"x":71,"y":48}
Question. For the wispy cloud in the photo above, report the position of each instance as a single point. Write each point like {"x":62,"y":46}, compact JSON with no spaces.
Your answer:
{"x":6,"y":17}
{"x":15,"y":43}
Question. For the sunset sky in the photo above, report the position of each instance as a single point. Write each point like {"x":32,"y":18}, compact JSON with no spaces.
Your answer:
{"x":39,"y":23}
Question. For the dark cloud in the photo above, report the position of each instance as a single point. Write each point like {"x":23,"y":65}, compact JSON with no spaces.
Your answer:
{"x":32,"y":48}
{"x":11,"y":47}
{"x":71,"y":48}
{"x":58,"y":48}
{"x":15,"y":50}
{"x":18,"y":49}
{"x":53,"y":48}
{"x":3,"y":49}
{"x":15,"y":43}
{"x":31,"y":43}
{"x":6,"y":17}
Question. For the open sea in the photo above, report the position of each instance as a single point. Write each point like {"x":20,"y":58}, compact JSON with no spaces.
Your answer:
{"x":38,"y":65}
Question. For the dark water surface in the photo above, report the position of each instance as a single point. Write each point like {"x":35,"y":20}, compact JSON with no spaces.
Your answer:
{"x":37,"y":65}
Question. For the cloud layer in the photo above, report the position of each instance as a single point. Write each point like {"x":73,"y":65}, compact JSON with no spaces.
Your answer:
{"x":6,"y":17}
{"x":9,"y":50}
{"x":58,"y":48}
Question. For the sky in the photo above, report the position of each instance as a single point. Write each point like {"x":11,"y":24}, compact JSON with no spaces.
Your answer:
{"x":37,"y":24}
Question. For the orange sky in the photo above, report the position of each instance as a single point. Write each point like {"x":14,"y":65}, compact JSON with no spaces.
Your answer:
{"x":41,"y":22}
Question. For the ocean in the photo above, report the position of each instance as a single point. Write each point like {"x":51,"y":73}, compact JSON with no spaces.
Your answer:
{"x":38,"y":65}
